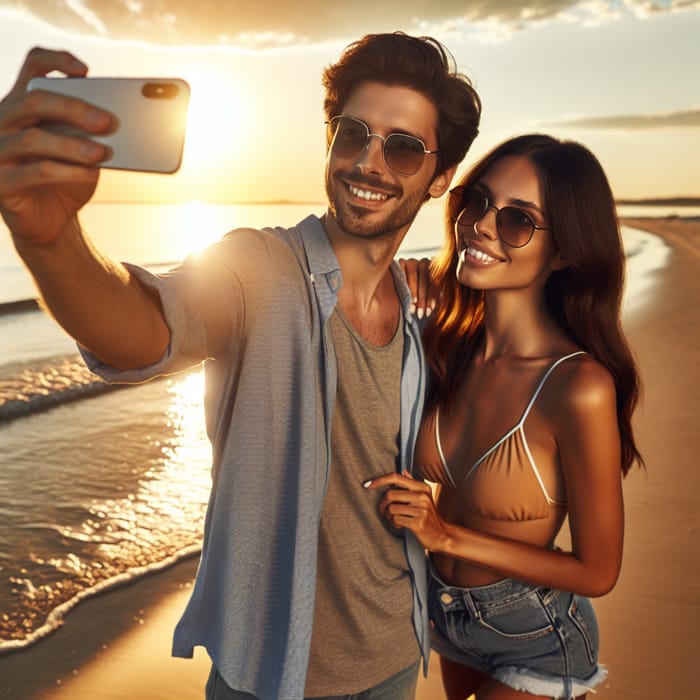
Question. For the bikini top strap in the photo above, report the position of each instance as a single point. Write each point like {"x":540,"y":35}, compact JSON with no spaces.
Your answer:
{"x":438,"y":443}
{"x":544,"y":379}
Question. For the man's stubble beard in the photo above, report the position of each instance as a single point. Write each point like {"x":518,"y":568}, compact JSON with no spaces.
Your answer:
{"x":353,"y":220}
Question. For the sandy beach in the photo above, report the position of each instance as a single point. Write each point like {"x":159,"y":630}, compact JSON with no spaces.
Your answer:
{"x":117,"y":645}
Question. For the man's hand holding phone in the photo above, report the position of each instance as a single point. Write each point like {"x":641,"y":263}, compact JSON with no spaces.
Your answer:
{"x":45,"y":178}
{"x":56,"y":132}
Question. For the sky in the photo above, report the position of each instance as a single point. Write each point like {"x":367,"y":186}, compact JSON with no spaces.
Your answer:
{"x":620,"y":76}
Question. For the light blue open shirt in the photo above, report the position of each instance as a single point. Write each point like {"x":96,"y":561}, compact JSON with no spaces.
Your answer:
{"x":271,"y":382}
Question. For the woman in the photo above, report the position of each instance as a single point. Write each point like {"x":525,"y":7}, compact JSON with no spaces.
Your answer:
{"x":527,"y":422}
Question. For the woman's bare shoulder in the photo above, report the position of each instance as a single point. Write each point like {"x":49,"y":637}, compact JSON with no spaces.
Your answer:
{"x":580,"y":384}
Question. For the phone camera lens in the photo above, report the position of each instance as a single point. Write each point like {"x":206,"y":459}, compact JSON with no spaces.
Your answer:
{"x":162,"y":91}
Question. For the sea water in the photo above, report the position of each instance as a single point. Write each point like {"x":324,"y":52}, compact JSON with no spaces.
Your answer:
{"x":101,"y":485}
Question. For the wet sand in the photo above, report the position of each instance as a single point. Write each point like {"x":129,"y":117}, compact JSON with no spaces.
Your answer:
{"x":117,"y":645}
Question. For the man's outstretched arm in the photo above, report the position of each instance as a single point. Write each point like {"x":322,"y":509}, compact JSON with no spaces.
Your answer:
{"x":96,"y":300}
{"x":45,"y":179}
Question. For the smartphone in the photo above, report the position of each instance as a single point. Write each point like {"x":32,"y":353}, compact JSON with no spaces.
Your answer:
{"x":151,"y":118}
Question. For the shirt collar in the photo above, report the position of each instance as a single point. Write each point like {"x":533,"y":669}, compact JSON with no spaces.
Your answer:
{"x":322,"y":261}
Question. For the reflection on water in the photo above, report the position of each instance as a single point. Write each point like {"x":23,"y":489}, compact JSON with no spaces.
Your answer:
{"x":111,"y":486}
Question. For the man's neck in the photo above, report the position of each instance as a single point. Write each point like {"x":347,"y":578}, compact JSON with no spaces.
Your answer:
{"x":364,"y":262}
{"x":368,"y":297}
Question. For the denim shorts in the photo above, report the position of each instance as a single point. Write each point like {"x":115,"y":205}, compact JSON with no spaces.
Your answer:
{"x":538,"y":640}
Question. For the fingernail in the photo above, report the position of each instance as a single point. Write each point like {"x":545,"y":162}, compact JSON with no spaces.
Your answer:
{"x":413,"y":309}
{"x":367,"y":483}
{"x":420,"y":312}
{"x":95,"y":118}
{"x":428,"y":311}
{"x":90,"y":150}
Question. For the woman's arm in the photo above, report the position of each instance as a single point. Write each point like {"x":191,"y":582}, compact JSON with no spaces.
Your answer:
{"x":585,"y":427}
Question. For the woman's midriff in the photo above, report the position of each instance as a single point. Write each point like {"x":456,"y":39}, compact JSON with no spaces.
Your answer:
{"x":458,"y":572}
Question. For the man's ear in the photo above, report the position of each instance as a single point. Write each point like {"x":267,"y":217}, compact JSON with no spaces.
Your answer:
{"x":441,"y":183}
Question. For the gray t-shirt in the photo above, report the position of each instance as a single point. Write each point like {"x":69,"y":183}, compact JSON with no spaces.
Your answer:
{"x":362,"y":631}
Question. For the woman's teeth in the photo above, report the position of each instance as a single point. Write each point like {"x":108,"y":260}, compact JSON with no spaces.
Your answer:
{"x":479,"y":255}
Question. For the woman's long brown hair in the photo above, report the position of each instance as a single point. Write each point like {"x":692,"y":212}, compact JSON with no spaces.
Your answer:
{"x":585,"y":297}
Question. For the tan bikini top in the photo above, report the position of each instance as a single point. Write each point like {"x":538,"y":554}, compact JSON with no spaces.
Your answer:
{"x":505,"y":483}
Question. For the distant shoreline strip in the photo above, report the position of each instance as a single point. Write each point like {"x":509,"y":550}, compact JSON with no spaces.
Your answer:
{"x":19,"y":307}
{"x":28,"y":305}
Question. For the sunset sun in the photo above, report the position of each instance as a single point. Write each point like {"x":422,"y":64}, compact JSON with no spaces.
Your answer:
{"x":216,"y":118}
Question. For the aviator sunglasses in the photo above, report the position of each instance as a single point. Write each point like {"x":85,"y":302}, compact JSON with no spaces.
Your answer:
{"x":403,"y":153}
{"x":468,"y":205}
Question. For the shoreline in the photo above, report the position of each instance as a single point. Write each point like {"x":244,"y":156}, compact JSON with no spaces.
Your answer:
{"x":680,"y":232}
{"x":113,"y":645}
{"x":117,"y":644}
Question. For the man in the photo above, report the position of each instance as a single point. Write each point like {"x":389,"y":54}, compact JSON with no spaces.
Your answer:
{"x":315,"y":376}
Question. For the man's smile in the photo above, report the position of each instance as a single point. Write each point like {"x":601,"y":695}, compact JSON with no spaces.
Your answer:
{"x":367,"y":194}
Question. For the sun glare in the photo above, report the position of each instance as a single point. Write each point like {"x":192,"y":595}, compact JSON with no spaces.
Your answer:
{"x":215,"y":119}
{"x":197,"y":226}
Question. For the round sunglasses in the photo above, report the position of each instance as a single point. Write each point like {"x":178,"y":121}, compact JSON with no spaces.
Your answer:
{"x":403,"y":154}
{"x":468,"y":205}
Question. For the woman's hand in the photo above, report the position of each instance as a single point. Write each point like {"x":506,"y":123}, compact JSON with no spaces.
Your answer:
{"x":409,"y":503}
{"x":423,"y":292}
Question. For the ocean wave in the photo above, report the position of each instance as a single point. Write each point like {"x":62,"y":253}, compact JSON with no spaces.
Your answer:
{"x":34,"y":386}
{"x":56,"y":617}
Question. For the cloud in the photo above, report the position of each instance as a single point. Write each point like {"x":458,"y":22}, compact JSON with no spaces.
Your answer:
{"x":283,"y":23}
{"x":688,"y":119}
{"x":645,"y":8}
